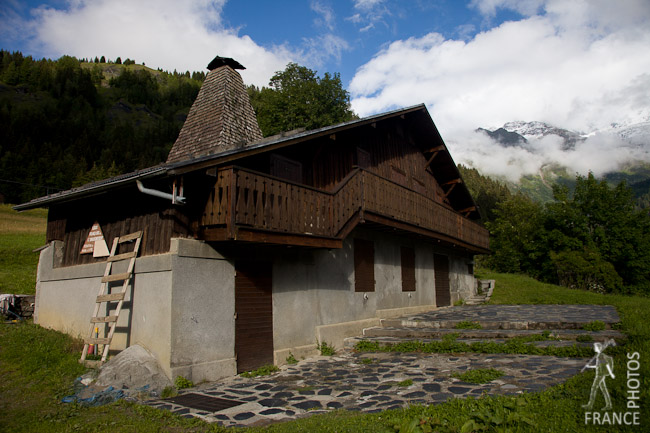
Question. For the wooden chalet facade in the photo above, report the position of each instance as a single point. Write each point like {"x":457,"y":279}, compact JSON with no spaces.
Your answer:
{"x":265,"y":245}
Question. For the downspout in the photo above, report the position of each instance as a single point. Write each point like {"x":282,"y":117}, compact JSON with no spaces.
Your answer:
{"x":175,"y":199}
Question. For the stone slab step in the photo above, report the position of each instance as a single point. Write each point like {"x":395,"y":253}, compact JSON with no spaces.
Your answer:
{"x":485,"y":324}
{"x":437,"y":333}
{"x":349,"y":343}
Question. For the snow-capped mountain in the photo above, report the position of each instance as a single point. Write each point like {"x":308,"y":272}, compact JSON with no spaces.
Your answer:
{"x":537,"y":130}
{"x":520,"y":133}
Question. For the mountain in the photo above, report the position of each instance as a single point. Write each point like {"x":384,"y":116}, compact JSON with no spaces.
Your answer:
{"x":504,"y":137}
{"x":537,"y":130}
{"x":631,"y":140}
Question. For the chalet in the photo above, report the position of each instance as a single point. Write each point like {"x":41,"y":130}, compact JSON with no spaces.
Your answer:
{"x":256,"y":248}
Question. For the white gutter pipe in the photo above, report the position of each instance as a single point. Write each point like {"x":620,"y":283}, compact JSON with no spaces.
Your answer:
{"x":154,"y":192}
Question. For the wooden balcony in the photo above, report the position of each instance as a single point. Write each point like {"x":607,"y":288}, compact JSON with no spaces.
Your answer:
{"x":250,"y":206}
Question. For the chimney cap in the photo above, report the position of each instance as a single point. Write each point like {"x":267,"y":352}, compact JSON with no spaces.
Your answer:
{"x":217,"y":62}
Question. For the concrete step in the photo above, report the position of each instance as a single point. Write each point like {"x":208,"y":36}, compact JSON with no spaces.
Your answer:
{"x":383,"y":341}
{"x":438,"y":333}
{"x":485,"y":324}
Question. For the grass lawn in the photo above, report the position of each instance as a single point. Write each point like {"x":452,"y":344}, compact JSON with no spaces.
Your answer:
{"x":38,"y":368}
{"x":20,"y":234}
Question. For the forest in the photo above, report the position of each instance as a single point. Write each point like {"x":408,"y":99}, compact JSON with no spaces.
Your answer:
{"x":67,"y":122}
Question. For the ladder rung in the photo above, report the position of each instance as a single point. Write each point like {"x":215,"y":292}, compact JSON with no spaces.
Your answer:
{"x":92,"y":364}
{"x":116,"y":277}
{"x":103,"y":319}
{"x":121,"y":256}
{"x":127,"y":238}
{"x":111,"y":297}
{"x":97,"y":341}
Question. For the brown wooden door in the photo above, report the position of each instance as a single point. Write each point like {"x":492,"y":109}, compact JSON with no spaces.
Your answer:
{"x":441,"y":271}
{"x":254,"y":315}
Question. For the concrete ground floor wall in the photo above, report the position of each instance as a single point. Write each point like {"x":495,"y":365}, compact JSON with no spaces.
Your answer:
{"x":182,"y":304}
{"x":314,"y":298}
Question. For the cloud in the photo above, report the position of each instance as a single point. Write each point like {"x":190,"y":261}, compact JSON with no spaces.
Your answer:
{"x":369,"y":13}
{"x":170,"y":34}
{"x":327,"y":17}
{"x":577,"y":65}
{"x":316,"y":51}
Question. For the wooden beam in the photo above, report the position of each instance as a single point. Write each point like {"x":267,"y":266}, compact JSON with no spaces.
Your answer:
{"x":379,"y":219}
{"x":453,"y":182}
{"x":451,"y":188}
{"x":430,"y":160}
{"x":435,"y":149}
{"x":244,"y":234}
{"x":468,"y":209}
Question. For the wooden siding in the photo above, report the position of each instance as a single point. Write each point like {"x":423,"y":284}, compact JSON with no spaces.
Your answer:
{"x":117,"y":215}
{"x":386,"y":150}
{"x":243,"y":198}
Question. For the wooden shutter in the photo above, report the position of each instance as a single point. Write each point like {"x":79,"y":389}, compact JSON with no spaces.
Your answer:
{"x":408,"y":269}
{"x":364,"y":266}
{"x":254,"y":315}
{"x":441,"y":271}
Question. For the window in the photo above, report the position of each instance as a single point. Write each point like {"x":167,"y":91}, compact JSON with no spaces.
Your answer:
{"x":364,"y":266}
{"x":286,"y":168}
{"x":363,"y":158}
{"x":408,"y":269}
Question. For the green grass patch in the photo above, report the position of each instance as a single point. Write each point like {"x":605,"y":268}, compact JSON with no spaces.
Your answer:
{"x":584,"y":338}
{"x":468,"y":324}
{"x":518,"y":345}
{"x":264,"y":370}
{"x":20,"y":234}
{"x":182,"y":383}
{"x":479,"y":375}
{"x":291,"y":359}
{"x":326,"y":349}
{"x":405,"y":383}
{"x":596,"y":325}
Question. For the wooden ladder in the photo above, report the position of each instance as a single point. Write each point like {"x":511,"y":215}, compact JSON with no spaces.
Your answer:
{"x":104,"y":296}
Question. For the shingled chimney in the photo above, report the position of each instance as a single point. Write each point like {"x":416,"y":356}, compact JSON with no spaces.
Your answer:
{"x":221,"y":117}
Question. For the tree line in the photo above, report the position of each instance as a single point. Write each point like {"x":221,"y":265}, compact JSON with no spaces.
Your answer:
{"x":594,"y":237}
{"x":62,"y":124}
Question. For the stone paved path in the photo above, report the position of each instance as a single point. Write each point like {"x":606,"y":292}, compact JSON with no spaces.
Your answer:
{"x":373,"y":382}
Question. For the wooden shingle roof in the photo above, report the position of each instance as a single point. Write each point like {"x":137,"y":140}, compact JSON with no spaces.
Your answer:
{"x":220,"y":119}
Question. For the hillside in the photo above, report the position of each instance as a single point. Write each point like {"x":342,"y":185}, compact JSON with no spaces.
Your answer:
{"x":67,"y":122}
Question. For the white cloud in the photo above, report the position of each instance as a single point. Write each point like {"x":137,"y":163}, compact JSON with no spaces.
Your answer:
{"x":170,"y":34}
{"x":315,"y":51}
{"x":578,"y":65}
{"x":369,"y":13}
{"x":327,"y":17}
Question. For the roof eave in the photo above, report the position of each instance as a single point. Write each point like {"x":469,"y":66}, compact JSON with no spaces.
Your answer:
{"x":89,"y":190}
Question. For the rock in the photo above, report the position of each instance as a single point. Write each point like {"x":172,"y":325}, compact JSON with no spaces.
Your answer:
{"x":134,"y":369}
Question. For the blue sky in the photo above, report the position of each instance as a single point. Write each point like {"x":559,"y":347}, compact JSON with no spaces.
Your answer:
{"x":578,"y":64}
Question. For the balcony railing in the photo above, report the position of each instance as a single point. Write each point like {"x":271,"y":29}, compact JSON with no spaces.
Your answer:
{"x":242,"y":198}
